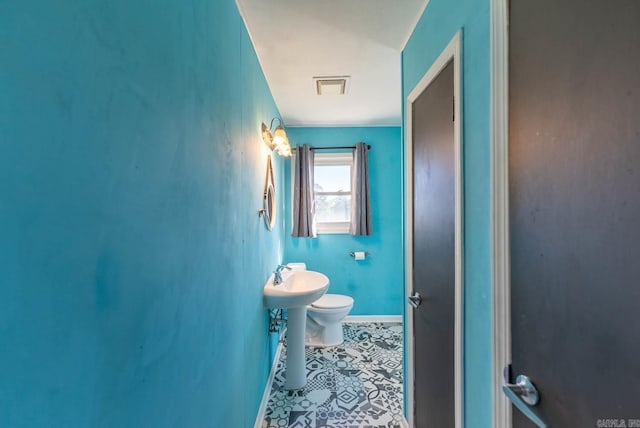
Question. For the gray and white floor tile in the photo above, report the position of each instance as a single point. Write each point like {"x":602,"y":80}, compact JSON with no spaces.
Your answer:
{"x":354,"y":385}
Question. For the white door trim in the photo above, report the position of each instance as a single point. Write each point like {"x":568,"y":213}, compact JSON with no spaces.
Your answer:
{"x":452,"y":51}
{"x":499,"y":52}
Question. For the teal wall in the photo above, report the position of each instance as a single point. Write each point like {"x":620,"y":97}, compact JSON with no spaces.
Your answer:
{"x":132,"y":256}
{"x":440,"y":21}
{"x":376,"y":284}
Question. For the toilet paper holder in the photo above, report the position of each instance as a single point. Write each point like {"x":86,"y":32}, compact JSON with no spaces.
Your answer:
{"x":353,"y":254}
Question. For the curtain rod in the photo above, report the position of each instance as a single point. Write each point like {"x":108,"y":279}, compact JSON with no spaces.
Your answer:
{"x":340,"y":147}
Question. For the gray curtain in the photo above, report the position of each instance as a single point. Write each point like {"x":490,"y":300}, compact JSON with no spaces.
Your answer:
{"x":304,"y":222}
{"x":361,"y":199}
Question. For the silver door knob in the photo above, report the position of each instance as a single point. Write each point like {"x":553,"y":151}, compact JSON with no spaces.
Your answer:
{"x":415,"y":300}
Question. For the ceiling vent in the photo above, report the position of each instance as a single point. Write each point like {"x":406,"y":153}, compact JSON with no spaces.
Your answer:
{"x":331,"y":85}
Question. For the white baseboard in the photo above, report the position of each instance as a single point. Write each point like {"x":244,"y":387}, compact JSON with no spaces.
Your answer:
{"x":267,"y":389}
{"x":373,"y":318}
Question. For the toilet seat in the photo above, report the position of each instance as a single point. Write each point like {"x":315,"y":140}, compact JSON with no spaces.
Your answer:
{"x":332,"y":301}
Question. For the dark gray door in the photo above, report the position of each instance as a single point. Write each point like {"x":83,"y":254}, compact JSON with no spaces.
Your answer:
{"x":434,"y":252}
{"x":574,"y":144}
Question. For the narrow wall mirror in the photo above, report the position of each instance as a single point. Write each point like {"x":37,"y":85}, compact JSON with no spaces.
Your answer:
{"x":268,"y":211}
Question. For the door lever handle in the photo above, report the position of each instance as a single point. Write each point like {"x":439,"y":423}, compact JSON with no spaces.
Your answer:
{"x":415,"y":300}
{"x":523,"y":394}
{"x":524,"y":389}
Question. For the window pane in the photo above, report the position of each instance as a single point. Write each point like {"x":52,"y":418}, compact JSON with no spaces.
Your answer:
{"x":331,"y":208}
{"x":332,"y":178}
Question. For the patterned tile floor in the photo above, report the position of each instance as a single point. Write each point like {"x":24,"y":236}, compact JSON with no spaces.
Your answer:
{"x":354,"y":385}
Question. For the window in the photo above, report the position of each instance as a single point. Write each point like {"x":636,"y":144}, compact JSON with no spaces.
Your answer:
{"x":332,"y":189}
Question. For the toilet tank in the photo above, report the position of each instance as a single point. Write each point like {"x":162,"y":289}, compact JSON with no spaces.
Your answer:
{"x":297,"y":266}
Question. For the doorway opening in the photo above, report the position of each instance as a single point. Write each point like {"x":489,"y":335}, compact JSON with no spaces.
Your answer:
{"x":437,"y":174}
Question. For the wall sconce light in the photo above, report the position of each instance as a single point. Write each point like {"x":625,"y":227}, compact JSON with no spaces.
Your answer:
{"x":278,"y":140}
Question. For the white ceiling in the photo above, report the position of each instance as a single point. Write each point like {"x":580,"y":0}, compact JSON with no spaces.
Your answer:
{"x":297,"y":40}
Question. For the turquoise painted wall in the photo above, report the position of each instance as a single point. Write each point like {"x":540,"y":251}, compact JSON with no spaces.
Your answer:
{"x":132,"y":256}
{"x":437,"y":26}
{"x":376,"y":284}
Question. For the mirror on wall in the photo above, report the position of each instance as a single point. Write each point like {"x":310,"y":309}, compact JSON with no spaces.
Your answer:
{"x":268,"y":211}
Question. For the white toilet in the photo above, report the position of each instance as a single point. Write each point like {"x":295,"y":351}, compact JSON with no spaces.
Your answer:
{"x":324,"y":320}
{"x":324,"y":316}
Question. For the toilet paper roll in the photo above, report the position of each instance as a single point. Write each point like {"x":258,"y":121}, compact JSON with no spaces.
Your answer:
{"x":359,"y":255}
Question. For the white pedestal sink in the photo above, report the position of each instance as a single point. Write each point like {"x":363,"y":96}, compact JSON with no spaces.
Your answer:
{"x":297,"y":290}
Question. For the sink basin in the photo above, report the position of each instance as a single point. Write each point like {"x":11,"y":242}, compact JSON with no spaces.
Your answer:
{"x":297,"y":289}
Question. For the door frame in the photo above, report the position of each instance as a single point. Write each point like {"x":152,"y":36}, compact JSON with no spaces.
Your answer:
{"x":500,"y":269}
{"x":453,"y":51}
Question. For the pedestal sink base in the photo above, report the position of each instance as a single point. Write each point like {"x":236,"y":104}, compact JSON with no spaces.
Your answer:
{"x":295,"y":369}
{"x":294,"y":291}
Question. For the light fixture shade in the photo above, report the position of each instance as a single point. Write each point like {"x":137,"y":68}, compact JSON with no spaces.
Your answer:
{"x":284,"y":150}
{"x":278,"y":140}
{"x":280,"y":137}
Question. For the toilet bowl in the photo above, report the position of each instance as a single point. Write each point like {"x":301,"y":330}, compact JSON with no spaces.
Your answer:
{"x":324,"y":320}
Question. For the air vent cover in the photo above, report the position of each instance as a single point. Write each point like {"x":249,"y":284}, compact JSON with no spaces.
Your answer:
{"x":331,"y":85}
